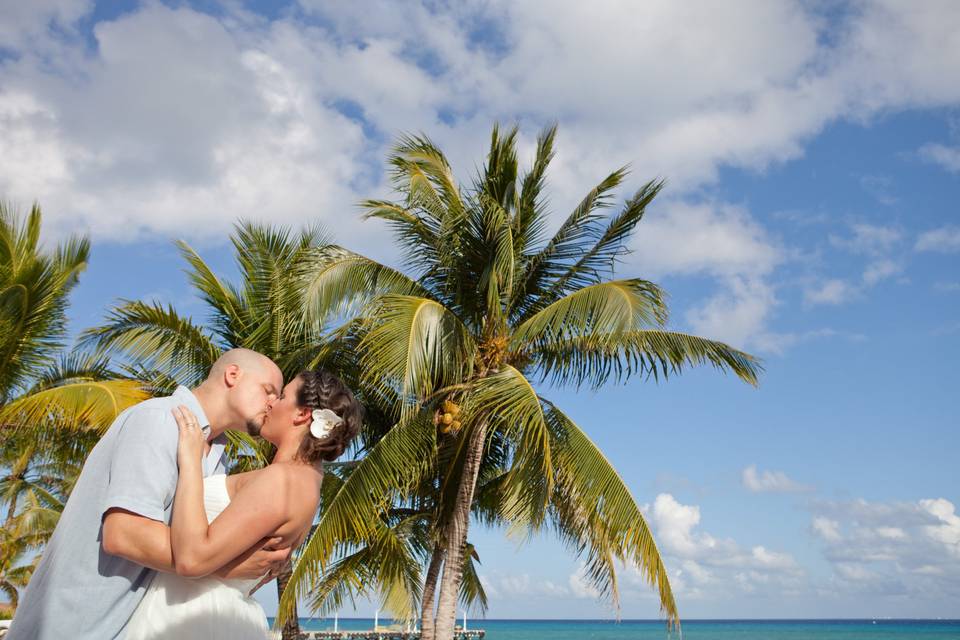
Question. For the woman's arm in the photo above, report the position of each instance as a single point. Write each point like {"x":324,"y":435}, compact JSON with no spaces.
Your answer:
{"x":198,"y":548}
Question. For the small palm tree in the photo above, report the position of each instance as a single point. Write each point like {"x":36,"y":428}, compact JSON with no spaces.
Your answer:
{"x":15,"y":569}
{"x":491,"y":305}
{"x":43,"y":395}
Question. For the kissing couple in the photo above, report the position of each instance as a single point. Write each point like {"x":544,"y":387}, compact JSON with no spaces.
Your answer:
{"x":156,"y":541}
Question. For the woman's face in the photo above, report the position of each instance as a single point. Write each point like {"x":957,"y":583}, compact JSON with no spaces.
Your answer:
{"x":285,"y":413}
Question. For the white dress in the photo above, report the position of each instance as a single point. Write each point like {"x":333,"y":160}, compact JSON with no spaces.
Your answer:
{"x":199,"y":608}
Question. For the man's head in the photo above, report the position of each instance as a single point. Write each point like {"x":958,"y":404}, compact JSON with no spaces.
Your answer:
{"x":248,"y":383}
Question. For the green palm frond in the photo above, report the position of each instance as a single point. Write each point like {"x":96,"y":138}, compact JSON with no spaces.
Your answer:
{"x":472,"y":593}
{"x":646,"y":352}
{"x":414,"y":346}
{"x":508,"y":401}
{"x":595,"y":511}
{"x":530,"y":219}
{"x":598,"y":261}
{"x":396,"y":462}
{"x":155,"y":337}
{"x":602,"y":311}
{"x":229,"y":315}
{"x":34,"y":290}
{"x":566,"y":246}
{"x":78,"y":405}
{"x":340,"y":281}
{"x":499,"y":181}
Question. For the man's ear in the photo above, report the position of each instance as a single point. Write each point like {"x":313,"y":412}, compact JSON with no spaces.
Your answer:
{"x":231,"y":375}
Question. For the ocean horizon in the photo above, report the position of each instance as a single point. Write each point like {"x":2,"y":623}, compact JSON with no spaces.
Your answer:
{"x":696,"y":629}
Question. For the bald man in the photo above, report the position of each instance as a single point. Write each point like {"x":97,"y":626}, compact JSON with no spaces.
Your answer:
{"x":113,"y":533}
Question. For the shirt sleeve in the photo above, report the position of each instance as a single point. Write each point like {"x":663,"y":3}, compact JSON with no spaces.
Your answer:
{"x":143,"y":472}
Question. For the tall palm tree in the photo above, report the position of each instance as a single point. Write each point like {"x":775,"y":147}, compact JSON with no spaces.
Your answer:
{"x":489,"y":305}
{"x":264,"y":312}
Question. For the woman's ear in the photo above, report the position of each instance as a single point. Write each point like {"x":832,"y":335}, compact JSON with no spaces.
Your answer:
{"x":304,"y":416}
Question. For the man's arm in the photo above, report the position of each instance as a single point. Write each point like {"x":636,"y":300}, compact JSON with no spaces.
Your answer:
{"x":147,"y":542}
{"x":137,"y":539}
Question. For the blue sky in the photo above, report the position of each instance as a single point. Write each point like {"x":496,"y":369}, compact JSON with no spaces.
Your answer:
{"x":812,"y":152}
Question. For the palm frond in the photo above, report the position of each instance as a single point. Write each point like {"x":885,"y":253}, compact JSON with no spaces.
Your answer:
{"x":567,"y":245}
{"x":646,"y":352}
{"x":413,"y":347}
{"x":596,"y":512}
{"x":354,"y":514}
{"x":79,"y":405}
{"x":507,"y":400}
{"x":339,"y":281}
{"x":598,"y":261}
{"x":602,"y":311}
{"x":155,"y":337}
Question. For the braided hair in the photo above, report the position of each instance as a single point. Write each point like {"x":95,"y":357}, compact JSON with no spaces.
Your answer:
{"x":320,"y":389}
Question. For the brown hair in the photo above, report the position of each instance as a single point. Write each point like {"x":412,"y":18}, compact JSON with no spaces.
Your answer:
{"x":320,"y":389}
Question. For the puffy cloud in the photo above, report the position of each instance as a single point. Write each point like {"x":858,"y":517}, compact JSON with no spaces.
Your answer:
{"x":174,"y":121}
{"x":827,"y":529}
{"x":893,"y":547}
{"x":769,"y":481}
{"x":706,"y":561}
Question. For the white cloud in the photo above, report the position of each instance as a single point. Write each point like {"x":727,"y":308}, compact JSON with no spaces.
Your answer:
{"x":893,"y":547}
{"x":704,"y":559}
{"x":178,"y":122}
{"x":506,"y":586}
{"x":868,"y":238}
{"x":580,"y":586}
{"x":832,"y":291}
{"x":946,"y":157}
{"x":945,"y":240}
{"x":875,"y":241}
{"x":880,"y":270}
{"x":769,"y":481}
{"x":826,"y":528}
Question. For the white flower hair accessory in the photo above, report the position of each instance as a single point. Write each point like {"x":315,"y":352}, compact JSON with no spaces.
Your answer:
{"x":324,"y":422}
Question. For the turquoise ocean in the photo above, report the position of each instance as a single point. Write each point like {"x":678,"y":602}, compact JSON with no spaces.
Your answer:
{"x":691,"y":629}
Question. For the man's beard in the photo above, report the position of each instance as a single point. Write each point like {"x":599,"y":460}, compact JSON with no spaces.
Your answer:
{"x":253,"y":428}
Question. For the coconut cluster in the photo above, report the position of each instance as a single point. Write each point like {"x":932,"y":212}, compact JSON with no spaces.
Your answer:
{"x":448,"y":417}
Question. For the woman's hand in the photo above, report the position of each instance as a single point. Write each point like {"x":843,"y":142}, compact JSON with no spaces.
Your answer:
{"x":192,"y":441}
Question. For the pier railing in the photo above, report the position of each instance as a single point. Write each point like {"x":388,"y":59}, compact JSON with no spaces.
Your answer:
{"x":381,"y":634}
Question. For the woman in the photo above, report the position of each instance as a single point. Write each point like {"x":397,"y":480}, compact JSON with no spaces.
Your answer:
{"x":217,"y":519}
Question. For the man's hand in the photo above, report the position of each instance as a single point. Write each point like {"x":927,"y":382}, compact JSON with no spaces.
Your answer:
{"x":260,"y":559}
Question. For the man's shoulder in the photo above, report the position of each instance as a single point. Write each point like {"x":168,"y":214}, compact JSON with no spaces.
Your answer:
{"x":154,"y":412}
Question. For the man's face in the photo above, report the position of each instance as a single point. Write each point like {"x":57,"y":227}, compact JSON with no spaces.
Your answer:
{"x":254,"y":393}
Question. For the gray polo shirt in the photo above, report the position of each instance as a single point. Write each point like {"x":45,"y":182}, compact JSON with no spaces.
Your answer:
{"x":77,"y":590}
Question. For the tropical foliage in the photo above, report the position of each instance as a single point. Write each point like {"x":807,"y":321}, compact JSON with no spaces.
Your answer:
{"x":489,"y":305}
{"x":53,"y":406}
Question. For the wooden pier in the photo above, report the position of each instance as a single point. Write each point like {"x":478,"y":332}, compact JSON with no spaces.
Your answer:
{"x":385,"y":634}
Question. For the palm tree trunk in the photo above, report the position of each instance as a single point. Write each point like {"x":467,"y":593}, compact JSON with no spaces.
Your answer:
{"x":456,"y":536}
{"x":427,"y":618}
{"x":291,"y":628}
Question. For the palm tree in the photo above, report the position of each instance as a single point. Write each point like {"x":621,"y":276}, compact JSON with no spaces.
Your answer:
{"x":489,"y":306}
{"x":15,"y":571}
{"x":264,"y":313}
{"x":40,"y":399}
